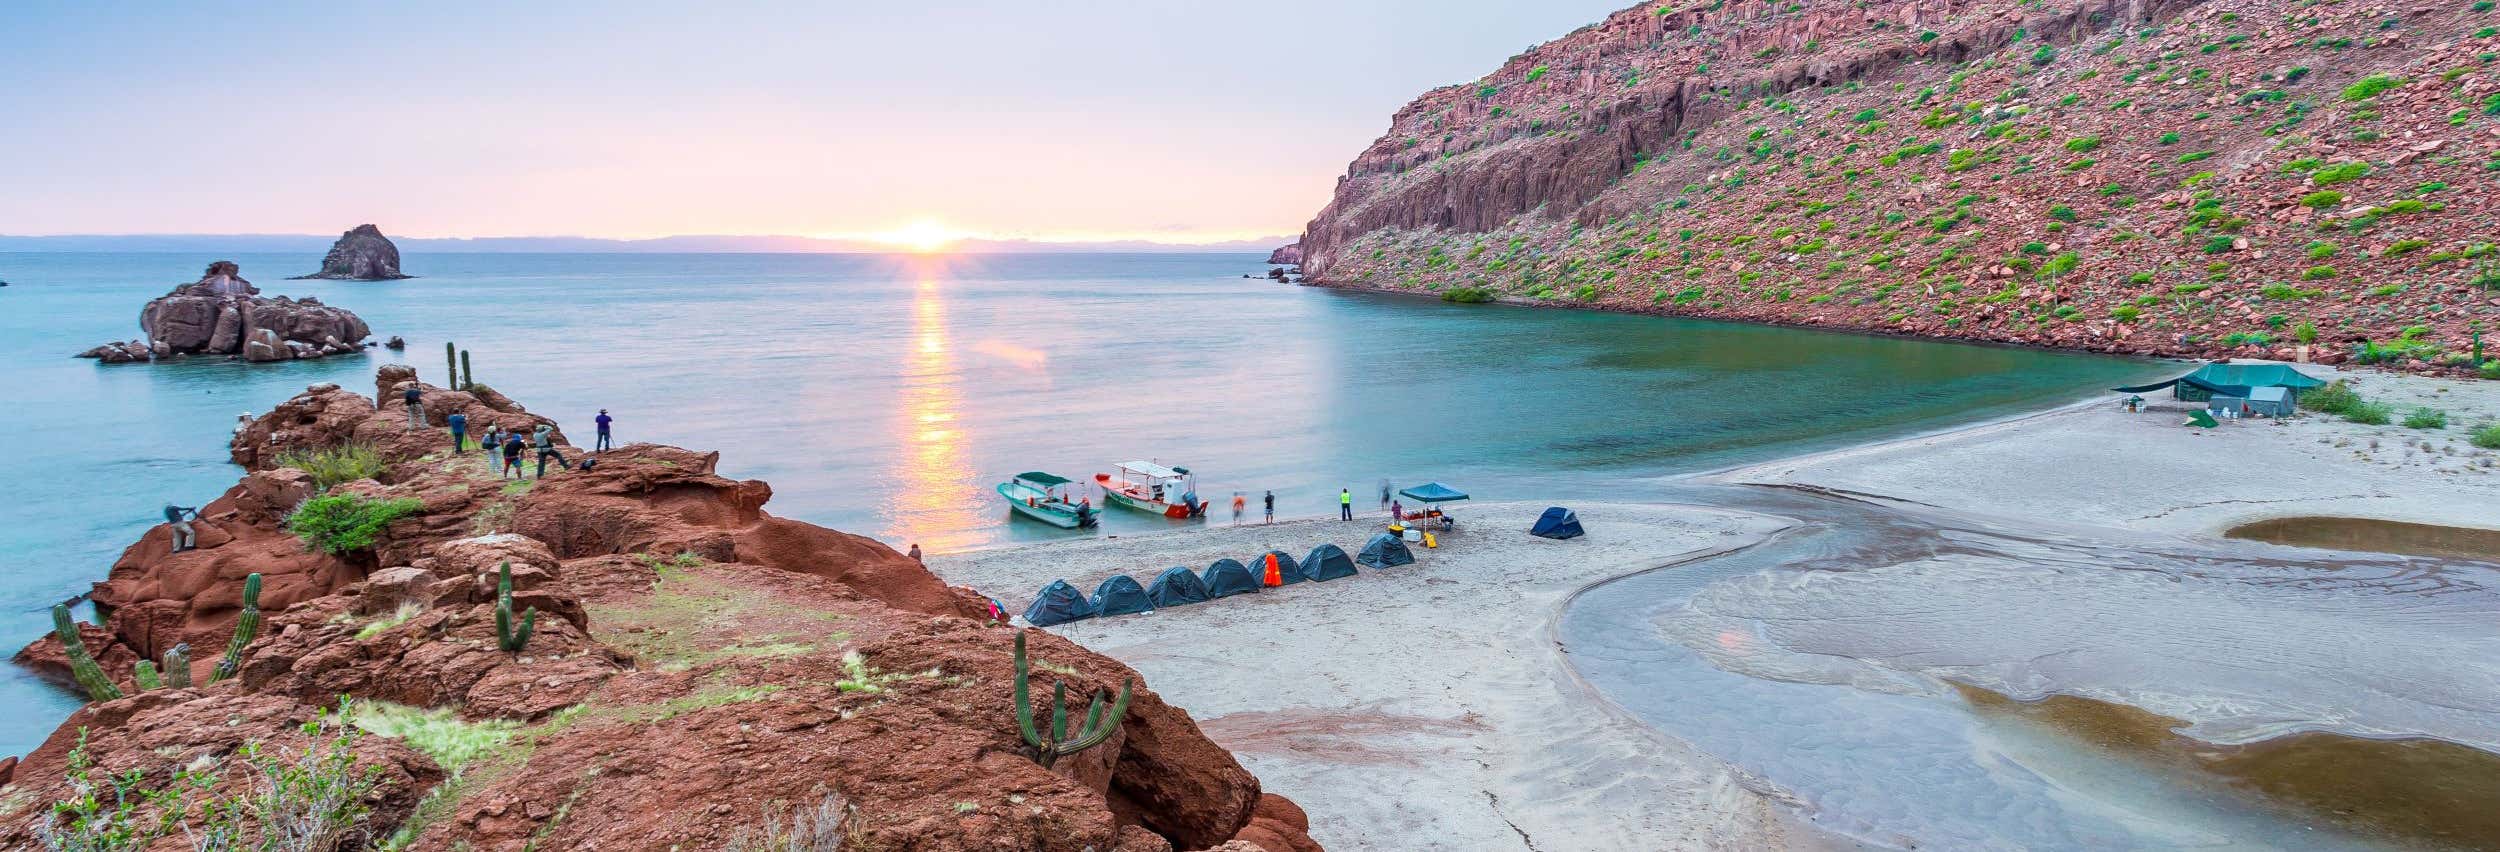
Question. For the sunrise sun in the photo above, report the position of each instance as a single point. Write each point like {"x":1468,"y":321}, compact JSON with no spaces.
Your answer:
{"x":922,"y":236}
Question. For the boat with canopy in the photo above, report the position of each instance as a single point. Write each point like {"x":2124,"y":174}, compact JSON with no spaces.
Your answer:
{"x":1044,"y":497}
{"x":1151,"y":487}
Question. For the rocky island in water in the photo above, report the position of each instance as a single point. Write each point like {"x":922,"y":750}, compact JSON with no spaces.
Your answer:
{"x":223,"y":314}
{"x":361,"y":254}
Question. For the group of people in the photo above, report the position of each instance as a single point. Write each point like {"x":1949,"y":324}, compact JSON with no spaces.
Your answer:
{"x":512,"y":444}
{"x":1240,"y":503}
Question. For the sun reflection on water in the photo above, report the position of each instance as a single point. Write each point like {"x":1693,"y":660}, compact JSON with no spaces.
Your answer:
{"x":935,"y":497}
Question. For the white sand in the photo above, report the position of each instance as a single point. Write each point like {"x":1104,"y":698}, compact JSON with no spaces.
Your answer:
{"x":2096,"y":465}
{"x":1424,"y":707}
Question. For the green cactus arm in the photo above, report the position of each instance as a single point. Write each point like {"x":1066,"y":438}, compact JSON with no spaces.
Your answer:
{"x":1059,"y":712}
{"x":144,"y":674}
{"x":81,"y":666}
{"x":246,"y":628}
{"x":1111,"y":724}
{"x":1024,"y":697}
{"x":529,"y":624}
{"x":468,"y":379}
{"x":451,"y":365}
{"x":177,"y":666}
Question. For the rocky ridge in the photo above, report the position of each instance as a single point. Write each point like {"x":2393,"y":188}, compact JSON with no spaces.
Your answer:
{"x":361,"y":254}
{"x":223,"y":314}
{"x":699,"y":667}
{"x":2166,"y":178}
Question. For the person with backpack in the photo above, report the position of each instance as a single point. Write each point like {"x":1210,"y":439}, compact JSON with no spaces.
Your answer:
{"x":459,"y":424}
{"x":604,"y":442}
{"x":185,"y":538}
{"x":546,"y":441}
{"x":416,"y":407}
{"x":512,"y":454}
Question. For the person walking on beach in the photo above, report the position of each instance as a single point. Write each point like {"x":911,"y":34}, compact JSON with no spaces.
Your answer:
{"x":546,"y":440}
{"x":1345,"y":504}
{"x":1239,"y":504}
{"x":459,"y":424}
{"x":1384,"y":495}
{"x":1397,"y":510}
{"x":185,"y":538}
{"x":512,"y":454}
{"x":416,"y":407}
{"x":604,"y":442}
{"x":1271,"y":507}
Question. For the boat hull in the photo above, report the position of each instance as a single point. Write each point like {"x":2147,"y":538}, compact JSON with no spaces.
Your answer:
{"x":1049,"y":512}
{"x":1111,"y":494}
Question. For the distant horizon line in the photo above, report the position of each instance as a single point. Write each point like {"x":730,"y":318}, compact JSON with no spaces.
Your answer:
{"x":681,"y":243}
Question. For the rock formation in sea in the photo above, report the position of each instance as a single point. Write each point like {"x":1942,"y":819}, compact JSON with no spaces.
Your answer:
{"x":699,"y":666}
{"x":1286,"y":256}
{"x":361,"y":254}
{"x":2172,"y":177}
{"x":223,"y":314}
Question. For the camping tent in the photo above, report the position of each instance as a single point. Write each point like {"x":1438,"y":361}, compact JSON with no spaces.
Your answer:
{"x":2272,"y":401}
{"x":1177,"y":586}
{"x":1228,"y":577}
{"x":1432,"y":492}
{"x":1385,"y":551}
{"x":1059,"y":603}
{"x":1121,"y":595}
{"x":1328,"y":562}
{"x":2240,"y":380}
{"x":1557,"y":523}
{"x":1288,"y":572}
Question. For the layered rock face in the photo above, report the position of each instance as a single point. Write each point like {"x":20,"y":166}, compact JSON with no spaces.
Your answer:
{"x":699,"y":667}
{"x":1286,"y":256}
{"x":223,"y":314}
{"x":2172,"y":178}
{"x":361,"y":254}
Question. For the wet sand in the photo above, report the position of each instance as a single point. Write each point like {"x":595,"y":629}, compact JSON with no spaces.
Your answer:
{"x":2092,"y":464}
{"x":1424,"y":707}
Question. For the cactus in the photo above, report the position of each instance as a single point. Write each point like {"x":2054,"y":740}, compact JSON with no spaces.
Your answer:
{"x":507,"y":638}
{"x":467,"y":379}
{"x":81,"y":666}
{"x":177,"y":666}
{"x":246,"y":627}
{"x":1097,"y":727}
{"x":144,"y":674}
{"x":451,"y":365}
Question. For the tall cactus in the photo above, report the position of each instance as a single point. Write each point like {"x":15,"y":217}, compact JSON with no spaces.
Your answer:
{"x":506,"y":637}
{"x":451,"y":366}
{"x":467,"y":379}
{"x":81,"y":666}
{"x":1096,"y":728}
{"x":246,"y":628}
{"x":143,"y":673}
{"x":177,"y":666}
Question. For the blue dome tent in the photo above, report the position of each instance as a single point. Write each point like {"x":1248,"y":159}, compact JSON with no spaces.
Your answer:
{"x":1328,"y":562}
{"x":1385,"y":551}
{"x":1557,"y":523}
{"x":1121,"y":595}
{"x":1228,"y":577}
{"x":1177,"y":586}
{"x":1059,"y":603}
{"x":1288,"y":572}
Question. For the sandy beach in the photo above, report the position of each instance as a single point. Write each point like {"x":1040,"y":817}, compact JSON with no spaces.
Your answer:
{"x":2093,"y":464}
{"x":1424,"y":707}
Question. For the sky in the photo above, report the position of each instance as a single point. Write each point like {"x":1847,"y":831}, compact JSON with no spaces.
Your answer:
{"x":1172,"y":120}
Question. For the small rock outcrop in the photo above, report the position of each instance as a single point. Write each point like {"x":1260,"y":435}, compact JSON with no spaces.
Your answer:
{"x":1287,"y":256}
{"x":362,"y":254}
{"x":223,"y":314}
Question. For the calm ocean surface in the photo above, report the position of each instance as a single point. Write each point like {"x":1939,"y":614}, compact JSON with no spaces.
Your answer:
{"x":885,"y":395}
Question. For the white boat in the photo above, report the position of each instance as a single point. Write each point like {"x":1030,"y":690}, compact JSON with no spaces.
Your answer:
{"x":1036,"y":495}
{"x":1150,"y":487}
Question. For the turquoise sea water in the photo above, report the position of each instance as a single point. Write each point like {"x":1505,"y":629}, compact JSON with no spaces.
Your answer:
{"x":885,"y":395}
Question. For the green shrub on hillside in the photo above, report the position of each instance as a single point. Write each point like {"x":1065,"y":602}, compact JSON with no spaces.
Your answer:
{"x":331,"y":466}
{"x":2370,"y":87}
{"x":2336,"y":398}
{"x":1468,"y":295}
{"x":2322,"y":199}
{"x":2339,"y":173}
{"x":340,"y":523}
{"x":2488,"y":437}
{"x":2083,"y":144}
{"x":2370,"y":413}
{"x":2426,"y":418}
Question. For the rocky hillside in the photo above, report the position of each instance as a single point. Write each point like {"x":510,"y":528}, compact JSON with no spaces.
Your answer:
{"x":700,"y":674}
{"x":2175,"y":178}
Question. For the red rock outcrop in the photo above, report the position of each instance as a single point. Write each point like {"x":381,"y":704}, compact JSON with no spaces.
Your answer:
{"x":2169,"y":177}
{"x":223,"y":314}
{"x":698,"y":667}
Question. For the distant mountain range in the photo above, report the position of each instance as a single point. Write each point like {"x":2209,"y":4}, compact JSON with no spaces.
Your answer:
{"x":316,"y":244}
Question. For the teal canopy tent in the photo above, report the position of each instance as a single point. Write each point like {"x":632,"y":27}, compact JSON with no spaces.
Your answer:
{"x":1432,"y":492}
{"x":2233,"y":380}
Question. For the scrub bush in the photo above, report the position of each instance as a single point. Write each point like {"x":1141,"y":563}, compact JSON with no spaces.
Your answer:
{"x":2426,"y":418}
{"x":1468,"y":295}
{"x":2370,"y":413}
{"x":330,"y":466}
{"x":2488,"y":437}
{"x":341,"y":523}
{"x":2335,"y":398}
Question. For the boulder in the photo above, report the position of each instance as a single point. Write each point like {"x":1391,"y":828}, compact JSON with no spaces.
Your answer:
{"x":223,"y":314}
{"x":362,"y":254}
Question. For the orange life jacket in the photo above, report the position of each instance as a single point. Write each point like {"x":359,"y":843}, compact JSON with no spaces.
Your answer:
{"x":1275,"y":577}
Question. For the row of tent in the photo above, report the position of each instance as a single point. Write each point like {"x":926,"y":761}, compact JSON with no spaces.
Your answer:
{"x":1060,"y":603}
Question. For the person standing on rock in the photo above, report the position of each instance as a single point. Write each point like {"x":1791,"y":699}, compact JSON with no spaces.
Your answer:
{"x":185,"y":538}
{"x":512,"y":454}
{"x":416,"y":407}
{"x":604,"y":442}
{"x":1271,"y":507}
{"x":459,"y":424}
{"x":546,"y":441}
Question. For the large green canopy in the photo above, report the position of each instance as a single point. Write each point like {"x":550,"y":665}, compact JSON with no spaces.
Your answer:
{"x":2235,"y":379}
{"x":1044,"y":480}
